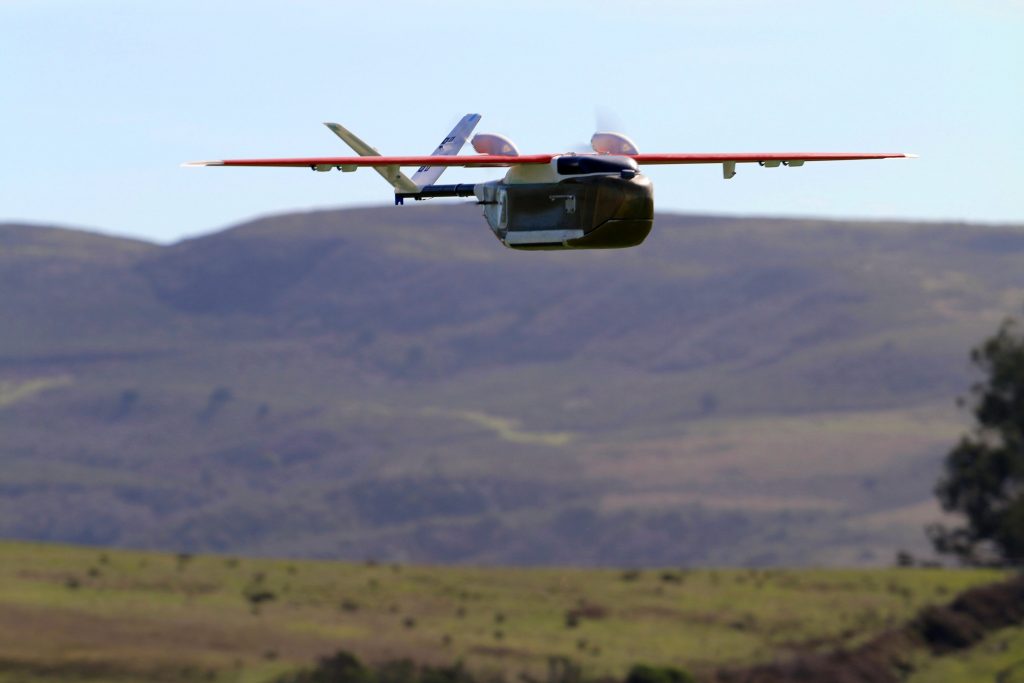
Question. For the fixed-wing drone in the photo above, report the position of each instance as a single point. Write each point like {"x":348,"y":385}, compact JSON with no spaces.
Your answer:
{"x":545,"y":201}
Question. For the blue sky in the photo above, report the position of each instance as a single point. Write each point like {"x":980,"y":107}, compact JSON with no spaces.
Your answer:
{"x":103,"y":100}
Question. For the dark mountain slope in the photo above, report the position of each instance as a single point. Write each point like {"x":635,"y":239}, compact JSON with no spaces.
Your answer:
{"x":392,"y":382}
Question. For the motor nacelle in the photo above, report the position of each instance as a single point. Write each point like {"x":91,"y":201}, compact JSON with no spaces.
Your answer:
{"x":612,"y":143}
{"x":492,"y":143}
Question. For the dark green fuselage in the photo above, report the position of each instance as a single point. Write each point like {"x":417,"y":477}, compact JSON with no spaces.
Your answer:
{"x":586,"y":212}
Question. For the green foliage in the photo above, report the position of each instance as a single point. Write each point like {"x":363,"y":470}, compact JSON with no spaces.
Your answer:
{"x":984,"y":473}
{"x":997,"y":658}
{"x":256,"y":595}
{"x":671,"y":577}
{"x":643,"y":673}
{"x":341,"y":667}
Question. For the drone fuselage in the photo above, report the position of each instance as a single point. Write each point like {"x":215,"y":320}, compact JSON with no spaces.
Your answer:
{"x":576,"y":202}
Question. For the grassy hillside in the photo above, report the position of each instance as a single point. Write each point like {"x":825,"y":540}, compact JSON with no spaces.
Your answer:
{"x":1000,"y":657}
{"x":391,"y":383}
{"x":70,"y":613}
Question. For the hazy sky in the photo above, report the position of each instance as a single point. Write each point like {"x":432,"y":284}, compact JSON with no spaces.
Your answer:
{"x":103,"y":100}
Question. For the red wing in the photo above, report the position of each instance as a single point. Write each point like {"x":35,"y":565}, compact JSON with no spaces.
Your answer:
{"x":485,"y":160}
{"x":312,"y":162}
{"x":746,"y":157}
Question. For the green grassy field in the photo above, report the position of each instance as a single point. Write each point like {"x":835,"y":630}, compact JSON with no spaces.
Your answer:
{"x":79,"y":613}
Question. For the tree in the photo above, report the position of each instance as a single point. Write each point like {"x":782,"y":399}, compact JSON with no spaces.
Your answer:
{"x":984,"y":473}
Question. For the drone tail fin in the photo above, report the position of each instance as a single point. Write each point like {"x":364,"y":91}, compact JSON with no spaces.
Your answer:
{"x":426,"y":176}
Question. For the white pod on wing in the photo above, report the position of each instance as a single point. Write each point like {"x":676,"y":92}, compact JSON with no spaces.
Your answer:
{"x":492,"y":143}
{"x":612,"y":143}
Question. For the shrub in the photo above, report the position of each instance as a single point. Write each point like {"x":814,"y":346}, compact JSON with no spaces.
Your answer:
{"x":397,"y":671}
{"x":258,"y":596}
{"x":444,"y":674}
{"x":642,"y":673}
{"x":182,"y":560}
{"x":564,"y":670}
{"x":585,"y":610}
{"x":341,"y":667}
{"x":217,"y":399}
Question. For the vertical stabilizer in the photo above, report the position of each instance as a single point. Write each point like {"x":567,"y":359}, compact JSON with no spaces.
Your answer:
{"x":451,"y":145}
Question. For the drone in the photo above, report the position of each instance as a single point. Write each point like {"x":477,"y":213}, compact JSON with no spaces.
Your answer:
{"x":597,"y":200}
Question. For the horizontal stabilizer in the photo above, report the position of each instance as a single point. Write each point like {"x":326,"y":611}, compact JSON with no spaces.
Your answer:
{"x":390,"y":172}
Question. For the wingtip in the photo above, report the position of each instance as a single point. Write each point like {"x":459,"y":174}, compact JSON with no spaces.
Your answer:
{"x":193,"y":164}
{"x":911,"y":156}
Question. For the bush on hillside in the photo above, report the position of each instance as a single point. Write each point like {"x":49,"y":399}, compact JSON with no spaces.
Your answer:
{"x":643,"y":673}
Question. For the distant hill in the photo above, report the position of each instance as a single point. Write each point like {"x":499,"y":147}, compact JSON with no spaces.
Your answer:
{"x":392,"y":383}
